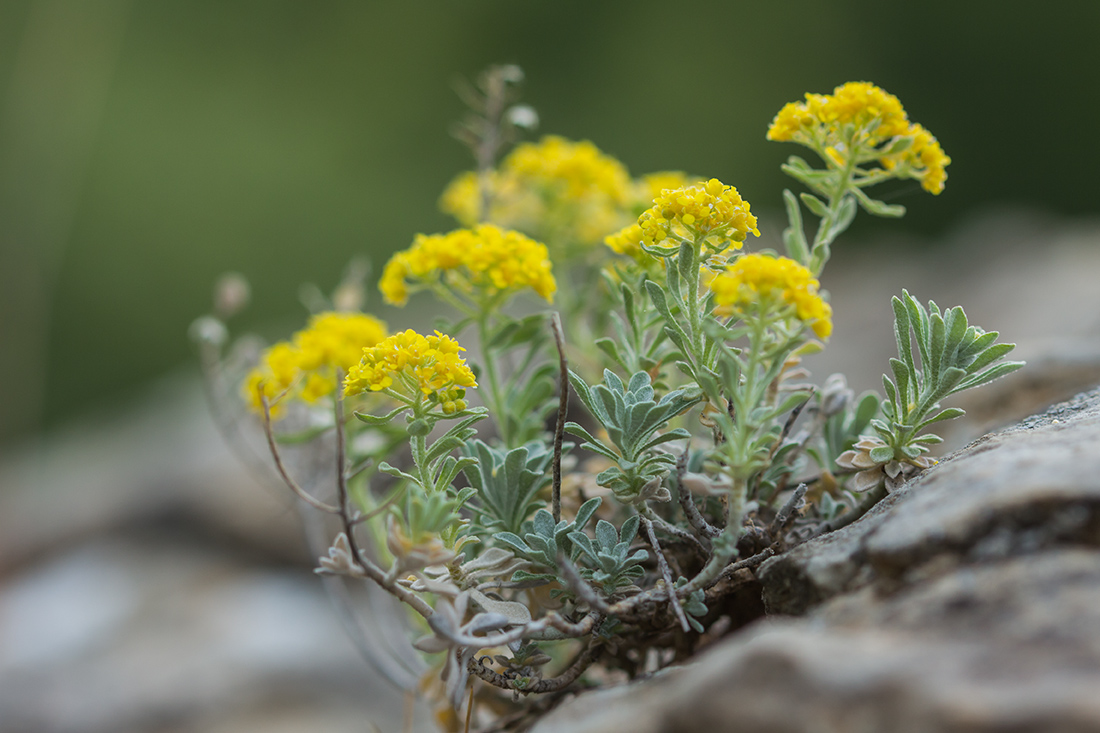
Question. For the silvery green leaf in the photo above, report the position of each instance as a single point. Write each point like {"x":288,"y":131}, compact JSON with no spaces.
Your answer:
{"x":514,"y":613}
{"x":793,"y":236}
{"x":606,"y":534}
{"x":846,"y":213}
{"x":814,"y":204}
{"x":990,"y":355}
{"x":586,"y":511}
{"x":630,"y":528}
{"x":380,"y":419}
{"x":584,"y":543}
{"x":488,"y":620}
{"x":994,"y":372}
{"x":396,"y":472}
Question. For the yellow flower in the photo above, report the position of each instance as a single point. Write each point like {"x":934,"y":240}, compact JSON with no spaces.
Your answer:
{"x":557,"y":190}
{"x":276,"y":373}
{"x":763,"y":281}
{"x":861,"y":119}
{"x":710,"y":209}
{"x":408,"y":361}
{"x":337,"y":339}
{"x":628,"y":242}
{"x":924,"y":160}
{"x":462,"y":199}
{"x":486,"y":259}
{"x":875,"y":114}
{"x":791,"y":120}
{"x":578,"y":169}
{"x":305,"y":367}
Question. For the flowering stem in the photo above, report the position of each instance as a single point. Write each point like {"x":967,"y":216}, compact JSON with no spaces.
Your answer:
{"x":418,"y":442}
{"x":492,"y":396}
{"x":826,"y":229}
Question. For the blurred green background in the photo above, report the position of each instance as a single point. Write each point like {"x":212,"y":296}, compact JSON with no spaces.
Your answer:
{"x":146,"y":147}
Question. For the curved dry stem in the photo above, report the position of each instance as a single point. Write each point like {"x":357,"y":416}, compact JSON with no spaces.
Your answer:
{"x":703,"y":529}
{"x":666,"y":573}
{"x":674,"y":531}
{"x":302,"y":493}
{"x":583,"y":661}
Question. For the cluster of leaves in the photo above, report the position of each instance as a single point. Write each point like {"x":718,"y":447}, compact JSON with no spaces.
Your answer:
{"x":953,"y":356}
{"x":632,"y":418}
{"x":614,"y":568}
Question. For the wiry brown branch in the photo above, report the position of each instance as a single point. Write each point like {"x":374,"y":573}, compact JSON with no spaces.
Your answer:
{"x":302,"y":493}
{"x":787,"y":514}
{"x":702,"y":527}
{"x":666,"y":573}
{"x":341,"y":468}
{"x":553,"y":684}
{"x":371,"y":570}
{"x":674,"y":531}
{"x":750,"y":563}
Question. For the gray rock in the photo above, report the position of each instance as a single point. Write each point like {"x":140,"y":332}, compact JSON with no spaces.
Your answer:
{"x":1031,"y":486}
{"x":133,"y":634}
{"x":969,"y":600}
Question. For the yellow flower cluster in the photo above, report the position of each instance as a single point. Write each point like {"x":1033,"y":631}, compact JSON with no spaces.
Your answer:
{"x":875,"y":114}
{"x":430,"y":365}
{"x":710,"y":209}
{"x":759,"y":280}
{"x":553,"y":188}
{"x":487,"y":258}
{"x":627,"y":242}
{"x":577,"y":171}
{"x":859,"y":118}
{"x":305,"y":367}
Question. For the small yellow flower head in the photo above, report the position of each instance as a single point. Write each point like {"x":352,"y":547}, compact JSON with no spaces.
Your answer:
{"x":875,"y":114}
{"x":275,"y":374}
{"x":462,"y":199}
{"x":579,"y":170}
{"x":407,"y":361}
{"x":709,"y":209}
{"x":627,"y":242}
{"x":554,"y":189}
{"x":760,"y":281}
{"x":924,"y":160}
{"x":486,"y":259}
{"x":336,"y":339}
{"x":305,"y":367}
{"x":861,"y":119}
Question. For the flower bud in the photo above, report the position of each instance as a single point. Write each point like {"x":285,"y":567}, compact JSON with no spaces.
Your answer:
{"x":208,"y":331}
{"x":231,"y":294}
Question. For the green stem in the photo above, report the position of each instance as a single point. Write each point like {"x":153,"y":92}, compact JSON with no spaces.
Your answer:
{"x":419,"y":445}
{"x":493,"y":397}
{"x":819,"y":252}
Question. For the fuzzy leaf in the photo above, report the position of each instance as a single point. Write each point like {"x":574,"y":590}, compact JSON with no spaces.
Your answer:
{"x":586,"y":511}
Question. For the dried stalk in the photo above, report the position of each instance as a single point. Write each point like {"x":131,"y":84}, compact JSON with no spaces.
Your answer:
{"x":666,"y":573}
{"x":583,"y":661}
